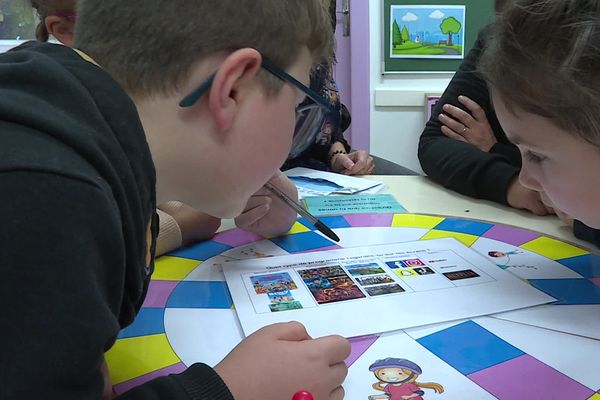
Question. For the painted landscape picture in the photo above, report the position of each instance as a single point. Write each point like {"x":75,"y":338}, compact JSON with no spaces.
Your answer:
{"x":427,"y":31}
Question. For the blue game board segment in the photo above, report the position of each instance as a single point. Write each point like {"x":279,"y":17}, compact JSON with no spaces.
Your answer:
{"x":303,"y":241}
{"x":461,"y":226}
{"x":149,"y":321}
{"x":201,"y":251}
{"x":587,"y":265}
{"x":469,"y":348}
{"x":569,"y":291}
{"x":332,"y":222}
{"x":200,"y":294}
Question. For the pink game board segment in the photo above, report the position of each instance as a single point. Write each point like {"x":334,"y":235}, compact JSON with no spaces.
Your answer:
{"x":236,"y":237}
{"x":359,"y":346}
{"x":526,"y":378}
{"x":508,"y":234}
{"x":158,"y":293}
{"x":125,"y":386}
{"x":596,"y":281}
{"x":368,"y":220}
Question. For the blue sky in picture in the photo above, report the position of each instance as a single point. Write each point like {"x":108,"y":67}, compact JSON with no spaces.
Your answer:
{"x":425,"y":21}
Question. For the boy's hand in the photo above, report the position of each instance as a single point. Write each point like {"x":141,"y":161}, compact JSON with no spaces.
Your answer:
{"x":472,"y":128}
{"x":267,"y":215}
{"x":277,"y":361}
{"x":519,"y":196}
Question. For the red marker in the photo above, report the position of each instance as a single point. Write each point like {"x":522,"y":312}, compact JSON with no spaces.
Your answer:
{"x":303,"y":395}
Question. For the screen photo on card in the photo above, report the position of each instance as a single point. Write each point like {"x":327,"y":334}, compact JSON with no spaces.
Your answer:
{"x":374,"y":280}
{"x":384,"y":289}
{"x":278,"y":282}
{"x":364,"y":269}
{"x":283,"y":301}
{"x":330,"y":284}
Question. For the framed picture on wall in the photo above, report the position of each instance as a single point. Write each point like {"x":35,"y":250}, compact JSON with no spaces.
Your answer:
{"x":431,"y":36}
{"x":431,"y":32}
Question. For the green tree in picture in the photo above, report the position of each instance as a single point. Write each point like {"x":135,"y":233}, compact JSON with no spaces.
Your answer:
{"x":405,"y":35}
{"x":450,"y":26}
{"x":396,"y":35}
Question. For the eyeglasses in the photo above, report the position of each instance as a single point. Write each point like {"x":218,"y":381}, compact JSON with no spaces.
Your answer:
{"x":309,"y":114}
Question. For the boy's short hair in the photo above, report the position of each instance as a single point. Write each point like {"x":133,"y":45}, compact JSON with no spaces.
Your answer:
{"x":149,"y":46}
{"x":543,"y":57}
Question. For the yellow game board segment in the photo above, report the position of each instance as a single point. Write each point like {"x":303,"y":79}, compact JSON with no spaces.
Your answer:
{"x":173,"y":268}
{"x":298,"y":228}
{"x":133,"y":357}
{"x":553,"y":249}
{"x":464,"y":238}
{"x":416,"y":221}
{"x":595,"y":397}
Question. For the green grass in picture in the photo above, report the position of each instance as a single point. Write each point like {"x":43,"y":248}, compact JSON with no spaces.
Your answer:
{"x":412,"y":48}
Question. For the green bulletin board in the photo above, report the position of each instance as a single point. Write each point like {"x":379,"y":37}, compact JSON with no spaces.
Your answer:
{"x":478,"y":13}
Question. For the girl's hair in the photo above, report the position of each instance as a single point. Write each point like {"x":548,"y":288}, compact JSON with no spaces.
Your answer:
{"x":413,"y":379}
{"x":46,"y":8}
{"x":543,"y":57}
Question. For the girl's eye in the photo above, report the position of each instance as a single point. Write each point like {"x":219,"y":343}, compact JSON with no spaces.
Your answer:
{"x":533,"y":157}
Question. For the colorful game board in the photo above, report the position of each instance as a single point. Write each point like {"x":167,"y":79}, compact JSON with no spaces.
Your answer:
{"x":188,"y":316}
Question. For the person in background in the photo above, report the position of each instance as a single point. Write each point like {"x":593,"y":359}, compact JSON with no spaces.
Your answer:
{"x":330,"y":151}
{"x":464,"y":148}
{"x":180,"y":224}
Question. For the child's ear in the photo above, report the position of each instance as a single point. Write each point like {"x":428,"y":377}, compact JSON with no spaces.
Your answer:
{"x":60,"y":28}
{"x":239,"y":68}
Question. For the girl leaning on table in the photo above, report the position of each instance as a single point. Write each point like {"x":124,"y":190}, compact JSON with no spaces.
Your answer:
{"x":541,"y":64}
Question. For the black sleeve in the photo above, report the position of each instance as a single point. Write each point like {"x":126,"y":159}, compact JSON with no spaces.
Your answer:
{"x":584,"y":232}
{"x":459,"y":165}
{"x":508,"y":150}
{"x":62,"y":267}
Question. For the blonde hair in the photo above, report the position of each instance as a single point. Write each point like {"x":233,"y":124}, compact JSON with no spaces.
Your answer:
{"x":46,"y":8}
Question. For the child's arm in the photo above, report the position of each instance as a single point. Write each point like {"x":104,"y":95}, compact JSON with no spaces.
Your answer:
{"x":181,"y":224}
{"x":279,"y":360}
{"x":265,"y":214}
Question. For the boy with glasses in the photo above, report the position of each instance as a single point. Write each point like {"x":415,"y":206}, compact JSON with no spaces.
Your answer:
{"x":81,"y":134}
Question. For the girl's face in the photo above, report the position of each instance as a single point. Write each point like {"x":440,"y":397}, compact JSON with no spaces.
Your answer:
{"x":392,"y":375}
{"x":563,"y":166}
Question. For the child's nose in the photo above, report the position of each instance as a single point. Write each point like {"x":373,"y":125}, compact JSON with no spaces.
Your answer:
{"x":528,"y":180}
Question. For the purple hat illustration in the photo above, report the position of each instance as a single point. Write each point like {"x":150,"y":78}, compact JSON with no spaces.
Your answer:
{"x":396,"y":363}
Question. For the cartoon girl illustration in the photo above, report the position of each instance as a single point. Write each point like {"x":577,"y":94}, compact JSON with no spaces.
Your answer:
{"x":398,"y":379}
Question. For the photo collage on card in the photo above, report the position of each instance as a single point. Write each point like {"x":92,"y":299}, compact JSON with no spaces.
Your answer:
{"x":277,"y":287}
{"x":326,"y":284}
{"x":330,"y":284}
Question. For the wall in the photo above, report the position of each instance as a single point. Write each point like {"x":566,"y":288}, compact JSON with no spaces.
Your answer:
{"x":397,"y":101}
